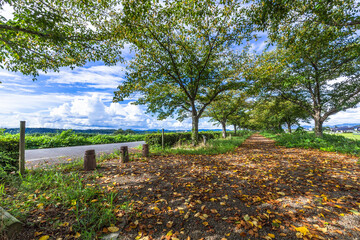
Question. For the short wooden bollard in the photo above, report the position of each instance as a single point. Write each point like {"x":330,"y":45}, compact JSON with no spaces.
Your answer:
{"x":9,"y":225}
{"x":124,"y":154}
{"x":89,"y":160}
{"x":204,"y":139}
{"x":145,"y":150}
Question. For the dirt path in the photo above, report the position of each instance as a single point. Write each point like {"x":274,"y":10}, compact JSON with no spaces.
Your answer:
{"x":261,"y":191}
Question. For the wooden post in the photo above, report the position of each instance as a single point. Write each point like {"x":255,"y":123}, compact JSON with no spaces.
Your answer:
{"x":22,"y":148}
{"x":145,"y":150}
{"x":124,"y":154}
{"x":9,"y":225}
{"x":204,"y":139}
{"x":162,"y":139}
{"x":89,"y":160}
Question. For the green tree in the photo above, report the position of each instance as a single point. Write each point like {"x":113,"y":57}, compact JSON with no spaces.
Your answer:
{"x":240,"y":119}
{"x":46,"y":35}
{"x":272,"y":15}
{"x":271,"y":113}
{"x":315,"y":66}
{"x":184,"y":56}
{"x":229,"y":103}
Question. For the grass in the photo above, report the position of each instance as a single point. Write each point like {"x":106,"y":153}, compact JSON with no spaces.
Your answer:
{"x":212,"y":147}
{"x":77,"y":200}
{"x":349,"y":135}
{"x":329,"y":142}
{"x":70,"y":202}
{"x":78,"y":204}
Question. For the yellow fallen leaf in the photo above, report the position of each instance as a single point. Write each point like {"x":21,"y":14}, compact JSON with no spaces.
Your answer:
{"x":302,"y":230}
{"x":65,"y":224}
{"x":37,"y":233}
{"x":40,"y":206}
{"x":169,"y":224}
{"x":271,"y":235}
{"x":170,"y":233}
{"x":46,"y":237}
{"x":113,"y":229}
{"x":77,"y":235}
{"x":205,"y":224}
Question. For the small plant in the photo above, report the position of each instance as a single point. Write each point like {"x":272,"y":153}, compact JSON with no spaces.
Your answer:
{"x":329,"y":142}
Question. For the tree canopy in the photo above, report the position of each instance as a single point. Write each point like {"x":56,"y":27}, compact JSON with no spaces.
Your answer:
{"x":229,"y":104}
{"x":47,"y":35}
{"x":316,"y":61}
{"x":184,"y":56}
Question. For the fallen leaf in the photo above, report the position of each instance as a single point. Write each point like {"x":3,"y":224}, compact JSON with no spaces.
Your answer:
{"x":113,"y":229}
{"x":302,"y":230}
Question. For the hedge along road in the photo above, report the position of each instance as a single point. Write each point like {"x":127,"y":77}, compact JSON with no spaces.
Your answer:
{"x":46,"y":155}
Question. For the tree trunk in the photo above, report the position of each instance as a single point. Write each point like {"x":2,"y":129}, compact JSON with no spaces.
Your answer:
{"x":318,"y":128}
{"x":234,"y":129}
{"x":223,"y":125}
{"x":289,"y":127}
{"x":9,"y":224}
{"x":195,"y":130}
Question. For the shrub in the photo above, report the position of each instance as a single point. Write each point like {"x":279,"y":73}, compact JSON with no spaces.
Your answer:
{"x":170,"y":139}
{"x":330,"y":143}
{"x":9,"y":153}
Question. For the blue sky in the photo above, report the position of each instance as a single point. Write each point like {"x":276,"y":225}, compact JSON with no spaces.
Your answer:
{"x":82,"y":98}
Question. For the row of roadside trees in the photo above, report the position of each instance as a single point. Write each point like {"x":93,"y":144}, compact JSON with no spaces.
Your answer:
{"x":192,"y":57}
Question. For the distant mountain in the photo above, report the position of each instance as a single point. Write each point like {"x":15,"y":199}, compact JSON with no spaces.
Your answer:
{"x":90,"y":131}
{"x":58,"y":130}
{"x":333,"y":126}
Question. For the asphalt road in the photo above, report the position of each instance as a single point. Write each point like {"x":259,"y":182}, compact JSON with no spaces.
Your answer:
{"x":48,"y":154}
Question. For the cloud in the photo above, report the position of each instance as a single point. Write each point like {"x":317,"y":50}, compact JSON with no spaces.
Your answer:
{"x":100,"y":77}
{"x":351,"y":115}
{"x":92,"y":110}
{"x":7,"y":11}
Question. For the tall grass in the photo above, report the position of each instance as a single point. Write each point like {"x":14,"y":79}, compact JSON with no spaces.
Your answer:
{"x":212,"y":147}
{"x":329,"y":142}
{"x":85,"y":205}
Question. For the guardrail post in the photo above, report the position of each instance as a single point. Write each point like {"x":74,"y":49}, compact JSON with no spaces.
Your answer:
{"x":162,"y":139}
{"x":89,"y":160}
{"x":145,"y":150}
{"x":22,"y":148}
{"x":124,"y":154}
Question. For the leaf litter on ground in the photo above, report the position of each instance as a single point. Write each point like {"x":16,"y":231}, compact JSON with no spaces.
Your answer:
{"x":259,"y":191}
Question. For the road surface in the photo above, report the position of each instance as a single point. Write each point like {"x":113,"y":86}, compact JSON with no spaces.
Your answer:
{"x":48,"y":154}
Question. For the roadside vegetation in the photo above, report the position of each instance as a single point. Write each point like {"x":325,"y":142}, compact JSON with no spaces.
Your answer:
{"x":329,"y":142}
{"x":349,"y":135}
{"x":81,"y":207}
{"x":70,"y":138}
{"x":212,"y":147}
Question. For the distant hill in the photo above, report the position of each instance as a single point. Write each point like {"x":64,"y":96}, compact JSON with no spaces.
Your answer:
{"x":58,"y":130}
{"x":90,"y":131}
{"x":336,"y":125}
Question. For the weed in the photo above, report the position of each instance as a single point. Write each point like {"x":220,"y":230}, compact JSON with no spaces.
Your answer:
{"x":329,"y":142}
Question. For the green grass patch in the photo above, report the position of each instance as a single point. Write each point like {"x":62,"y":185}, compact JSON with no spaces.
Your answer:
{"x":70,"y":138}
{"x":329,"y":142}
{"x":213,"y":146}
{"x":63,"y":198}
{"x":349,"y":135}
